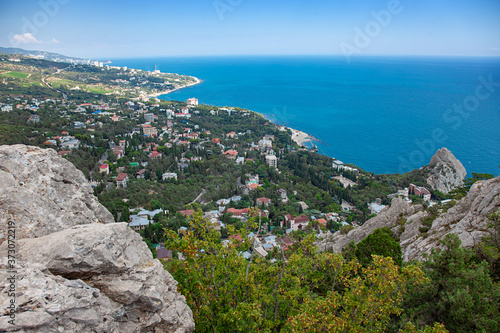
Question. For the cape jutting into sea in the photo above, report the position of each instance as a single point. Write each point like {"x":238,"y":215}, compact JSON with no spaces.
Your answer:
{"x":384,"y":114}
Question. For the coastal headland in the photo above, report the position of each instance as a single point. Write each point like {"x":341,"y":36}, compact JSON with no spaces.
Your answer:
{"x":299,"y":137}
{"x":166,"y":92}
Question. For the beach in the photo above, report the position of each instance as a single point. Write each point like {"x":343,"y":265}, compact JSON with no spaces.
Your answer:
{"x":299,"y":137}
{"x":166,"y":92}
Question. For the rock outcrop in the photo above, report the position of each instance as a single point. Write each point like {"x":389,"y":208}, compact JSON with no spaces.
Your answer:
{"x":467,"y":219}
{"x":446,"y":172}
{"x":77,"y":277}
{"x":44,"y":193}
{"x":388,"y":217}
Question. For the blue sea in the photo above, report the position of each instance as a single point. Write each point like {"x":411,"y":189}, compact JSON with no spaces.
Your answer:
{"x":384,"y":114}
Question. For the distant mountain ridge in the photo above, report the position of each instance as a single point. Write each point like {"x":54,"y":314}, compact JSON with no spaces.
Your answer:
{"x":44,"y":55}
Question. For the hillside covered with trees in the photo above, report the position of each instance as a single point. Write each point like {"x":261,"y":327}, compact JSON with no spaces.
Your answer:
{"x":239,"y":207}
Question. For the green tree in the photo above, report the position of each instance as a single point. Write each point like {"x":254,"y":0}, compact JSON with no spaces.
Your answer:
{"x":303,"y":290}
{"x":125,"y":215}
{"x":369,"y":301}
{"x":381,"y":242}
{"x":489,"y":248}
{"x":345,"y":229}
{"x":461,"y":293}
{"x":155,"y":204}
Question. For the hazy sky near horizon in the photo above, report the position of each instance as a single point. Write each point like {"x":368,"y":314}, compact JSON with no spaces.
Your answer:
{"x":104,"y":29}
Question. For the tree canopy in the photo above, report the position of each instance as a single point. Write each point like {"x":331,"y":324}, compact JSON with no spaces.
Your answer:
{"x":381,"y":242}
{"x":304,"y":291}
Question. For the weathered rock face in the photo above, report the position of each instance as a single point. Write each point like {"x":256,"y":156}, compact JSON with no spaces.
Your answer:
{"x":92,"y":277}
{"x":44,"y":193}
{"x":446,"y":172}
{"x":388,"y":217}
{"x":467,"y":219}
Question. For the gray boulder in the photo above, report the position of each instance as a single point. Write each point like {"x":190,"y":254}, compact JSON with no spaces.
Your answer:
{"x":93,"y":278}
{"x":73,"y":273}
{"x":44,"y":193}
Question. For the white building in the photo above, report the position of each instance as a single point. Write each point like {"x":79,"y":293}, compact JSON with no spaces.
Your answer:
{"x":169,"y":175}
{"x":192,"y":101}
{"x":138,"y":222}
{"x":260,"y":251}
{"x":265,"y":143}
{"x":283,"y":194}
{"x":71,"y":144}
{"x":375,"y":208}
{"x":7,"y":108}
{"x":337,"y":164}
{"x":272,"y":161}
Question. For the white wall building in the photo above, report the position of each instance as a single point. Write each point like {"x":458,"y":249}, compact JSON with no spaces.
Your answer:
{"x":169,"y":175}
{"x":272,"y":161}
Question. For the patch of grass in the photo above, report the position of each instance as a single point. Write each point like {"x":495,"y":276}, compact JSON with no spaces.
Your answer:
{"x":449,"y":205}
{"x":424,"y":229}
{"x":17,"y":75}
{"x":97,"y":90}
{"x":56,"y":82}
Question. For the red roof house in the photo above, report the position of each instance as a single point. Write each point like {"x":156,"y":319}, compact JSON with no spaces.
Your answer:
{"x":188,"y":212}
{"x":121,"y":180}
{"x":104,"y":168}
{"x":263,"y":201}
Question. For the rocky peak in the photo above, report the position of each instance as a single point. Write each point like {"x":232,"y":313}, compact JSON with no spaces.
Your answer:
{"x":76,"y":271}
{"x":446,"y":171}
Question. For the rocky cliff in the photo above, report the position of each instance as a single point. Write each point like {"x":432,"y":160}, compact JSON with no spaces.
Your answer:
{"x":468,"y":219}
{"x":389,"y":217}
{"x":73,"y":273}
{"x":446,"y":172}
{"x":44,"y":193}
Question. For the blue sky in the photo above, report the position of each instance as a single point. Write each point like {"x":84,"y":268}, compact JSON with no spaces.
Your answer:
{"x":100,"y":29}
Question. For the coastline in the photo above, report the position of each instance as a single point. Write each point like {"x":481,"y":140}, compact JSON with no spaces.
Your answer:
{"x":300,"y":137}
{"x":166,"y":92}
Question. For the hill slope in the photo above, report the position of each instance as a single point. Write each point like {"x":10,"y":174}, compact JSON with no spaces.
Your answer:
{"x":468,"y":219}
